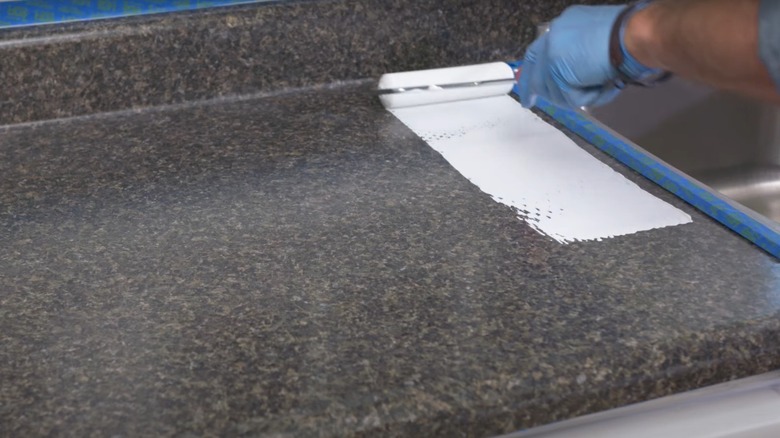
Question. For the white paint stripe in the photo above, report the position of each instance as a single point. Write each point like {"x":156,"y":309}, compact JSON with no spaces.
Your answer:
{"x":523,"y":162}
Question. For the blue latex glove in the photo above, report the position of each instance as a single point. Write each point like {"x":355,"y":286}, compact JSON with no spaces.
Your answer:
{"x":569,"y":65}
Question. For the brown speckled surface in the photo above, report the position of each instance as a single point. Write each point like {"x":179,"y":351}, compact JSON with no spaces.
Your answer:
{"x":301,"y":264}
{"x":111,"y":65}
{"x":82,"y":68}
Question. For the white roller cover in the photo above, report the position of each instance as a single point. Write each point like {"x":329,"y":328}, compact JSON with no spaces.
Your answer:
{"x":434,"y":79}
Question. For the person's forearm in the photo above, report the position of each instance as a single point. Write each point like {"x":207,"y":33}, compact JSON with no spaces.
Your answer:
{"x":712,"y":41}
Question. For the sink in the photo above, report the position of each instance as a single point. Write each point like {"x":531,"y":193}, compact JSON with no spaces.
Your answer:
{"x":729,"y":143}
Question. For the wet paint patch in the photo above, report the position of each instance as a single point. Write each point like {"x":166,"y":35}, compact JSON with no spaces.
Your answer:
{"x":521,"y":161}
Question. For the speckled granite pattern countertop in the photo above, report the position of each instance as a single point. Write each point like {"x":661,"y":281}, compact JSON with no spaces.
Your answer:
{"x":280,"y":262}
{"x":109,"y":65}
{"x":303,"y":265}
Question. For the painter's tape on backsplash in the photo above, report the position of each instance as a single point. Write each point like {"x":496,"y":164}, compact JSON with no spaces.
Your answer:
{"x":521,"y":161}
{"x":32,"y":12}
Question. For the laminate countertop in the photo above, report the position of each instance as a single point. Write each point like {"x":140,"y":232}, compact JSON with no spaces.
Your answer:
{"x":300,"y":263}
{"x":211,"y":227}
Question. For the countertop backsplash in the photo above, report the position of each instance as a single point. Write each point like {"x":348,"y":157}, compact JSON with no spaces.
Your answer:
{"x":81,"y":68}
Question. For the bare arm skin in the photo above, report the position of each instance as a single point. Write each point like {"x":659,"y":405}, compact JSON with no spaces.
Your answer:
{"x":711,"y":41}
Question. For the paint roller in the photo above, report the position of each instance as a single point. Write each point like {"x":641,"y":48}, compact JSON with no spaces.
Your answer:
{"x":425,"y":87}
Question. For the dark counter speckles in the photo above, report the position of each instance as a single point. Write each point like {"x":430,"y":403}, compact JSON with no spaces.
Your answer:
{"x":303,"y":265}
{"x":84,"y":68}
{"x":145,"y":61}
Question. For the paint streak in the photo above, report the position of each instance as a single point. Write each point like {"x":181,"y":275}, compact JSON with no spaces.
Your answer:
{"x":521,"y":161}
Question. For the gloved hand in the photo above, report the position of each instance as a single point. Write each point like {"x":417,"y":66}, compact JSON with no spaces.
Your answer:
{"x":570,"y":65}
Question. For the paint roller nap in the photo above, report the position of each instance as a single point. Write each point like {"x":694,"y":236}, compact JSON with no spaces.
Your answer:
{"x":434,"y":80}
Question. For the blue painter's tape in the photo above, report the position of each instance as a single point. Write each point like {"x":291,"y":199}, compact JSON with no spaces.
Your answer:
{"x":33,"y":12}
{"x":738,"y":221}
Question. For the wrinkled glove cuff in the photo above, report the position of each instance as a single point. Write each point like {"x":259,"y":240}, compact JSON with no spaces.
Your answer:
{"x":630,"y":71}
